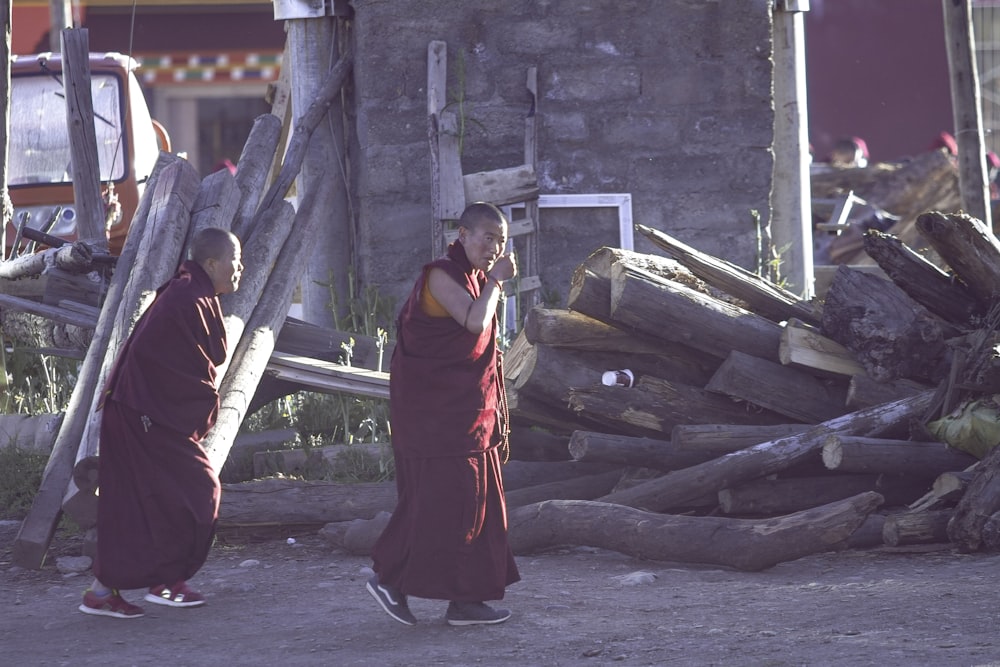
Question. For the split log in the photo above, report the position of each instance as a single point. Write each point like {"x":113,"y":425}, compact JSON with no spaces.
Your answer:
{"x":864,"y":392}
{"x":792,"y":494}
{"x":720,"y":439}
{"x":969,"y":248}
{"x":761,"y":296}
{"x":215,"y":204}
{"x":780,"y":389}
{"x":916,"y":528}
{"x":655,"y":406}
{"x":590,"y":285}
{"x":671,"y":311}
{"x":980,"y":501}
{"x":904,"y":457}
{"x":584,"y":487}
{"x":805,"y":348}
{"x":253,"y":169}
{"x":38,"y":527}
{"x":924,"y":282}
{"x":749,"y":545}
{"x":766,"y":458}
{"x":888,"y":332}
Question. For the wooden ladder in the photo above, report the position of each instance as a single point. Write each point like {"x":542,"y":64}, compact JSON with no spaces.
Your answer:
{"x":505,"y":188}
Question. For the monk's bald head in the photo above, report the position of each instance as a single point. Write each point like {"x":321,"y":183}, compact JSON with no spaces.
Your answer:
{"x":476,"y":215}
{"x":212,"y":243}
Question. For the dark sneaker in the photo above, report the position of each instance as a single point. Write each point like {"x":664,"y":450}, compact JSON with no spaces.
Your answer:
{"x":391,"y":600}
{"x":111,"y":604}
{"x":178,"y":595}
{"x":474,"y":613}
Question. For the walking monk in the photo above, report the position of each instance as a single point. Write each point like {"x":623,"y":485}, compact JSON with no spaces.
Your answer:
{"x":447,"y":538}
{"x":159,"y":496}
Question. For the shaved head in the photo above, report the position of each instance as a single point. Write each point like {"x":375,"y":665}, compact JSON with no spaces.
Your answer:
{"x":480,"y":213}
{"x":212,"y":243}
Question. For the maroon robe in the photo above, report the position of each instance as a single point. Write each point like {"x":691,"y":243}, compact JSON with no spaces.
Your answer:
{"x":158,"y":500}
{"x":447,"y":538}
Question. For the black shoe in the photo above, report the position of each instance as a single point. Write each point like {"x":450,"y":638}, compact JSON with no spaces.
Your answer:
{"x":391,"y":600}
{"x":474,"y":613}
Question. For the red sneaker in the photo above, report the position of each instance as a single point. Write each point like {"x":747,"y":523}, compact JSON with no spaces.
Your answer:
{"x":178,"y":595}
{"x":110,"y":604}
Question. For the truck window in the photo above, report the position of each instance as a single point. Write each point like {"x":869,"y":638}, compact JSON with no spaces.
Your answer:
{"x":39,"y":140}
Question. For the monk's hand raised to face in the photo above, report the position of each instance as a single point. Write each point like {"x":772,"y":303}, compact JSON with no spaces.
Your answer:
{"x":504,"y":268}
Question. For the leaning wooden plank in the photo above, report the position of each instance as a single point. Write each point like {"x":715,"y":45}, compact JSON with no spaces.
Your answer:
{"x":766,"y":458}
{"x":36,"y":531}
{"x":328,"y":377}
{"x":762,"y":296}
{"x":673,"y":312}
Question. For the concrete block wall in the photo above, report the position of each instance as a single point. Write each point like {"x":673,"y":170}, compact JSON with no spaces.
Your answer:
{"x":668,"y":100}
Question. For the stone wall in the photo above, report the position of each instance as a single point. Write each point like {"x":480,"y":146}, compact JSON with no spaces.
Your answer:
{"x":668,"y":100}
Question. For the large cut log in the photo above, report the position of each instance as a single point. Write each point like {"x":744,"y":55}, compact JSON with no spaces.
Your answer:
{"x":584,"y":487}
{"x":74,"y":258}
{"x":725,"y":438}
{"x":576,"y":331}
{"x":655,"y":406}
{"x":969,"y":248}
{"x":760,"y":295}
{"x":744,"y":544}
{"x":916,"y":528}
{"x":287,"y":501}
{"x":38,"y":527}
{"x":781,"y":389}
{"x":864,"y":392}
{"x":889,"y":333}
{"x":671,"y":311}
{"x":805,"y":348}
{"x":980,"y":501}
{"x":215,"y":204}
{"x":639,"y":452}
{"x":846,"y":453}
{"x":926,"y":284}
{"x":766,"y":458}
{"x":792,"y":494}
{"x":550,"y":374}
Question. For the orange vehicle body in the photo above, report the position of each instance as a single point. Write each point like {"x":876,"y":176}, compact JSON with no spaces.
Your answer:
{"x":39,"y":169}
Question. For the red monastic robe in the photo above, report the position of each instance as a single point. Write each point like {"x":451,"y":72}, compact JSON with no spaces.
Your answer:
{"x":447,"y":538}
{"x":159,"y":496}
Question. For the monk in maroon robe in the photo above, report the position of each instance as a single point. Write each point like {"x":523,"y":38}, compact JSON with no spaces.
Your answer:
{"x":158,"y":500}
{"x":447,"y":538}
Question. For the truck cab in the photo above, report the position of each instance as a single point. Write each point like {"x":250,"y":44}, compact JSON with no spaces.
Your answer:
{"x":39,"y":174}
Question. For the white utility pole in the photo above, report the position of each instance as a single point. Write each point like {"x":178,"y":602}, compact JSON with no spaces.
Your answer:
{"x":791,"y":198}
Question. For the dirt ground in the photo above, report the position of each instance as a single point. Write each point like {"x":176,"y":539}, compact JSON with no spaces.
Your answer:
{"x":276,"y":603}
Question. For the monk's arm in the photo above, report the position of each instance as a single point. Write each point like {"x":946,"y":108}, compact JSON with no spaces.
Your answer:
{"x":474,"y":314}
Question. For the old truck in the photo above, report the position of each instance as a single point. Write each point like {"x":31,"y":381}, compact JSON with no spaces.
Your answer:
{"x":39,"y":169}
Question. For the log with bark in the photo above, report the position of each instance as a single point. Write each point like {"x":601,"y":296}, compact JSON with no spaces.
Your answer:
{"x":722,"y":439}
{"x":771,"y":497}
{"x":760,"y":295}
{"x":671,"y":311}
{"x":887,"y":331}
{"x":916,"y":528}
{"x":968,"y":247}
{"x":858,"y":454}
{"x":864,"y":392}
{"x":781,"y":389}
{"x":981,"y":501}
{"x":941,"y":293}
{"x":768,"y":457}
